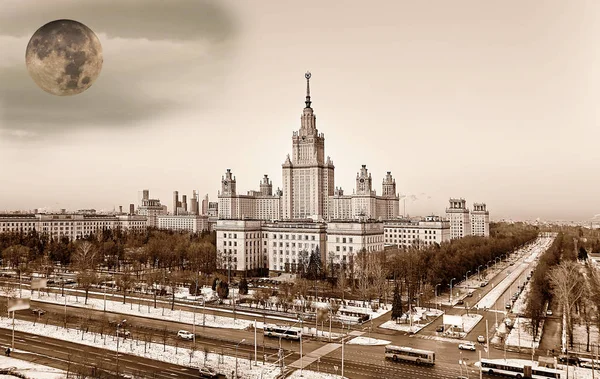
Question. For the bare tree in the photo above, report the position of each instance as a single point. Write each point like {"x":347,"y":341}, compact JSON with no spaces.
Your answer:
{"x":165,"y":336}
{"x":125,"y":281}
{"x":85,"y":260}
{"x":568,"y":286}
{"x":205,"y":352}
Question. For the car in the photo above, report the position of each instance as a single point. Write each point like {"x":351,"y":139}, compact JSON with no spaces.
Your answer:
{"x":470,"y":294}
{"x":507,"y":306}
{"x":549,"y":312}
{"x":467,"y":346}
{"x":123,"y":333}
{"x":184,"y":334}
{"x":207,"y":372}
{"x":460,"y":302}
{"x":508,"y":322}
{"x":481,"y":339}
{"x":440,"y":328}
{"x":38,"y":311}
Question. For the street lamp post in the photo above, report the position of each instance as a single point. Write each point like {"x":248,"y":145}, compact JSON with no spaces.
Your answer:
{"x":118,"y":326}
{"x":466,"y":276}
{"x":451,"y":290}
{"x":436,"y":294}
{"x":236,"y":360}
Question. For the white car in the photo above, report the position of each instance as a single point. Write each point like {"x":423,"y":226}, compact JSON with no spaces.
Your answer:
{"x":467,"y":346}
{"x":481,"y":339}
{"x":548,"y":312}
{"x":184,"y":334}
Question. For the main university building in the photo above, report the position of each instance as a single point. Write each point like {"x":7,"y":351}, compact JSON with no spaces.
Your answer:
{"x":271,"y":229}
{"x":268,"y":229}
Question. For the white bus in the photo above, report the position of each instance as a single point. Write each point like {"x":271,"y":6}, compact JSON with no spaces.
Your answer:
{"x":282,"y":331}
{"x":519,"y":368}
{"x":409,"y":354}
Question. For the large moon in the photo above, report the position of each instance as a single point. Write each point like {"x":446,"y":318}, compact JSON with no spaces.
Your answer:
{"x":64,"y":57}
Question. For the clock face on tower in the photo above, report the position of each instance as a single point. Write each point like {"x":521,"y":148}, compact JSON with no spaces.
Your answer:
{"x":225,"y":183}
{"x":362,"y":180}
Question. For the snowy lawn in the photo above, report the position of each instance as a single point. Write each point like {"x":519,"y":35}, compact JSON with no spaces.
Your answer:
{"x":521,"y":334}
{"x":146,"y":311}
{"x":421,"y":318}
{"x":367,"y":341}
{"x":154,"y":351}
{"x":30,"y":370}
{"x":313,"y":375}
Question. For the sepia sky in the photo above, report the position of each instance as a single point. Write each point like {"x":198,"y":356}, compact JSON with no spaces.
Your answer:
{"x":494,"y":102}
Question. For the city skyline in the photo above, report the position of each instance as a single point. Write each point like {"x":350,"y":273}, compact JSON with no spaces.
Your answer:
{"x":451,"y":105}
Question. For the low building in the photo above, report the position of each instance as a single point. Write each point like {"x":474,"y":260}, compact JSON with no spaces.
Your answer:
{"x":425,"y":232}
{"x":72,"y":226}
{"x":189,"y":223}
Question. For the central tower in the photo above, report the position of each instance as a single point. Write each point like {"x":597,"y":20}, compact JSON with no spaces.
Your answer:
{"x":307,"y":176}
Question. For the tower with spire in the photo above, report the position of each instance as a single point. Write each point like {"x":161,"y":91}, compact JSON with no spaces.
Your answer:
{"x":308,"y":177}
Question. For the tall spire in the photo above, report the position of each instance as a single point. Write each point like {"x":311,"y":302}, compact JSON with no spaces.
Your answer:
{"x":307,"y":76}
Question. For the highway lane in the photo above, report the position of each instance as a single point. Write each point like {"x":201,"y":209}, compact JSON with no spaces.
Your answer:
{"x":68,"y":355}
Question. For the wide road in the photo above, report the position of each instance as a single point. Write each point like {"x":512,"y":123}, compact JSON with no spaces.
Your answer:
{"x":68,"y":356}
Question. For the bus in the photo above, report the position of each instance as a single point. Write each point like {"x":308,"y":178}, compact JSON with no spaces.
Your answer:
{"x":519,"y":368}
{"x":409,"y":354}
{"x":282,"y":331}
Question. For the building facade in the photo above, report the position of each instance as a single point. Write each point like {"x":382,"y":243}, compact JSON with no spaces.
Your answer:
{"x":191,"y":223}
{"x":460,"y":219}
{"x":240,"y":245}
{"x":347,"y":238}
{"x":480,"y":220}
{"x":72,"y":226}
{"x":260,"y":205}
{"x":425,"y":232}
{"x":364,"y":202}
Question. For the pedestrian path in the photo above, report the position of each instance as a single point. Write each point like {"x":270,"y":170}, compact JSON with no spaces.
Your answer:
{"x":311,"y":357}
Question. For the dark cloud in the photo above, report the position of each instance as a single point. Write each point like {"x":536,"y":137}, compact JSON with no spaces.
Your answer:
{"x":27,"y":108}
{"x":151,"y":19}
{"x":186,"y":46}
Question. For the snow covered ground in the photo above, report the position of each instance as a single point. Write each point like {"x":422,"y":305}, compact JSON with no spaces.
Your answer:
{"x":421,"y":318}
{"x":155,"y":351}
{"x":30,"y":370}
{"x":521,"y":334}
{"x":367,"y":341}
{"x":186,"y":317}
{"x":145,"y":311}
{"x":313,"y":375}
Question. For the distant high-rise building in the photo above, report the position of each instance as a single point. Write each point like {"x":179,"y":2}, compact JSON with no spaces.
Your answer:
{"x":480,"y":220}
{"x":460,"y":219}
{"x":175,"y":202}
{"x":131,"y":209}
{"x":194,"y":206}
{"x":205,"y":205}
{"x":151,"y":208}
